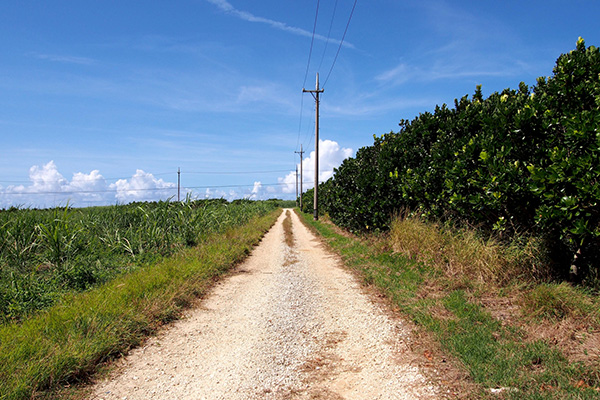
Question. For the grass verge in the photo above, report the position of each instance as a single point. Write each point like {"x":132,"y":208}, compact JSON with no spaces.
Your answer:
{"x":67,"y":342}
{"x":501,"y":358}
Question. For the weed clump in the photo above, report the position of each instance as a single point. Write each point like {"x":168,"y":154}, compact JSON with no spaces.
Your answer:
{"x":463,"y":252}
{"x":557,"y":301}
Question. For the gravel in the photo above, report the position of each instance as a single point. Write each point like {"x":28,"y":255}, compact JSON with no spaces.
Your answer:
{"x":290,"y":323}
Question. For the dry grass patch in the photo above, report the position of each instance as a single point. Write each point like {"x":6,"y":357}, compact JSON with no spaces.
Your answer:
{"x":461,"y":253}
{"x":508,"y":281}
{"x":558,"y":301}
{"x":565,"y":316}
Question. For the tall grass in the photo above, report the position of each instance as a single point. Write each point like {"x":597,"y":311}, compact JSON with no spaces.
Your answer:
{"x":67,"y":341}
{"x":557,"y":301}
{"x":46,"y":253}
{"x":462,"y":251}
{"x":461,"y":255}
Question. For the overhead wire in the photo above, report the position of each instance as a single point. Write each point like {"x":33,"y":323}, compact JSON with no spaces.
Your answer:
{"x":300,"y":120}
{"x":341,"y":42}
{"x":312,"y":41}
{"x":236,"y":172}
{"x":141,"y":189}
{"x":106,"y":179}
{"x":310,"y":135}
{"x":328,"y":34}
{"x":155,"y":189}
{"x":167,"y":173}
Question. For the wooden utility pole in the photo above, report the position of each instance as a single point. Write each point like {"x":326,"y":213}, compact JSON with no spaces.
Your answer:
{"x":178,"y":184}
{"x":315,"y":94}
{"x":296,"y":185}
{"x":301,"y":152}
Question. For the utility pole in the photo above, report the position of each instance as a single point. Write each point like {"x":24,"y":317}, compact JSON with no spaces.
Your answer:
{"x":296,"y":185}
{"x":301,"y":152}
{"x":315,"y":94}
{"x":178,"y":184}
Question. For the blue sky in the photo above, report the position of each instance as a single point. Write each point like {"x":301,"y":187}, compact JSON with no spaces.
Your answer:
{"x":102,"y":101}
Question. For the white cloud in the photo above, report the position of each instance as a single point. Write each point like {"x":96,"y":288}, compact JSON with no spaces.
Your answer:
{"x":256,"y":191}
{"x":91,"y":181}
{"x":220,"y":194}
{"x":225,"y":6}
{"x":143,"y":186}
{"x":331,"y":156}
{"x":208,"y":194}
{"x":49,"y":188}
{"x":261,"y":192}
{"x":46,"y":178}
{"x":88,"y":188}
{"x":397,"y":75}
{"x":289,"y":182}
{"x":64,"y":59}
{"x":257,"y":187}
{"x":448,"y":70}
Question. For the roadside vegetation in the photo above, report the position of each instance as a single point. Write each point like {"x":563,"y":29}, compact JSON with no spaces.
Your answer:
{"x":89,"y":284}
{"x":519,"y":162}
{"x":47,"y":253}
{"x":516,"y":338}
{"x":481,"y":222}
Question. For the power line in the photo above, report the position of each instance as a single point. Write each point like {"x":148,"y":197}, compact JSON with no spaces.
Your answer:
{"x":90,"y":191}
{"x":312,"y":40}
{"x":309,"y":131}
{"x":166,"y":173}
{"x":235,"y":186}
{"x":309,"y":134}
{"x":328,"y":35}
{"x":171,"y":188}
{"x":301,"y":152}
{"x":322,"y":58}
{"x":106,"y":179}
{"x":341,"y":42}
{"x":300,"y":121}
{"x":236,"y":172}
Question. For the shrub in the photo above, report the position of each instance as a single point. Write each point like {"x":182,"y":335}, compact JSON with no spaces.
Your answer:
{"x":519,"y":161}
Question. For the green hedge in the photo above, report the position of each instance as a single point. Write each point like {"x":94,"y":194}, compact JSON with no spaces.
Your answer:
{"x":523,"y":160}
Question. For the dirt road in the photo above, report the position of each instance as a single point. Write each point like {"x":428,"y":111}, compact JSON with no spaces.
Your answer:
{"x":289,"y":324}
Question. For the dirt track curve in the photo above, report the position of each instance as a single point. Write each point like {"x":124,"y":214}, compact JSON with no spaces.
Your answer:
{"x":289,"y":324}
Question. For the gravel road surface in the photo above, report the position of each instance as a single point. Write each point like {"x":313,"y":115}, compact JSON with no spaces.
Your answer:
{"x":290,"y":323}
